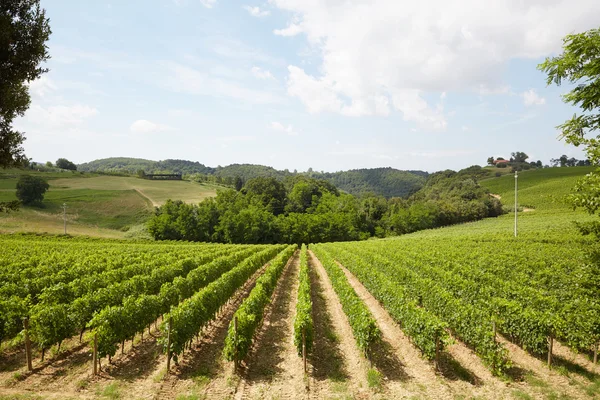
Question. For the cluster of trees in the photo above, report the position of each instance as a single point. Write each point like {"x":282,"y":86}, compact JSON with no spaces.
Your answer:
{"x":63,"y":163}
{"x":518,"y":162}
{"x":564,"y":161}
{"x":307,"y":210}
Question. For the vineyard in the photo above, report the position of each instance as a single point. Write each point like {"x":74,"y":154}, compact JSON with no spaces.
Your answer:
{"x":462,"y":312}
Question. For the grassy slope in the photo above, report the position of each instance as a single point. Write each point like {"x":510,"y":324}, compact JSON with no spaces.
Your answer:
{"x":104,"y":206}
{"x":543,"y":190}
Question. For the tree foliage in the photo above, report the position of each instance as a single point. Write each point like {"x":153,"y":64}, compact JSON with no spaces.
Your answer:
{"x":305,"y":210}
{"x":24,"y":31}
{"x":579,"y":64}
{"x":31,"y":189}
{"x":66,"y":164}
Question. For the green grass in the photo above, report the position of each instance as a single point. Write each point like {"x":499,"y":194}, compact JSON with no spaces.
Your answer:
{"x":97,"y":205}
{"x":543,"y":189}
{"x":111,"y":391}
{"x":374,"y":379}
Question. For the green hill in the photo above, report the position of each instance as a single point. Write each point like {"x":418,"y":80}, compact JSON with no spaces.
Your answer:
{"x":543,"y":189}
{"x":549,"y":218}
{"x":132,"y":165}
{"x":107,"y":206}
{"x":387,"y":182}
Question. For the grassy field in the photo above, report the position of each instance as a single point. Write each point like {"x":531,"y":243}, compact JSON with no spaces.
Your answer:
{"x":97,"y":205}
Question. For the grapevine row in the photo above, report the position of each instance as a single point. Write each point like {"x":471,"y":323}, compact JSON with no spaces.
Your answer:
{"x":250,"y":314}
{"x":303,"y":322}
{"x":363,"y":324}
{"x":190,"y":316}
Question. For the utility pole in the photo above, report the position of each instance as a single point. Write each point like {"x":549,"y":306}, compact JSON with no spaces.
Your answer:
{"x":65,"y":216}
{"x":516,"y":203}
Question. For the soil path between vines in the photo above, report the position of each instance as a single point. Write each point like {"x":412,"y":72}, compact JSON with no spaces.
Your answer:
{"x":273,"y":369}
{"x":346,"y":373}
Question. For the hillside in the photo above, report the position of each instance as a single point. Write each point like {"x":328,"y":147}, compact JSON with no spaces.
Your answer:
{"x":105,"y":206}
{"x":132,"y":165}
{"x":387,"y":182}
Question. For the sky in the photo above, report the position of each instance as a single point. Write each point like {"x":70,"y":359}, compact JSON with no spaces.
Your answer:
{"x":295,"y":84}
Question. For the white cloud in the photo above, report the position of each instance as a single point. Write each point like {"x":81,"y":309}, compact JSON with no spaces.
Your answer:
{"x":256,"y":11}
{"x":260,"y":73}
{"x":208,"y":3}
{"x":291,"y":30}
{"x":183,"y":79}
{"x":145,"y":126}
{"x":42,"y":86}
{"x":60,"y":116}
{"x":279,"y":127}
{"x":406,"y":52}
{"x":530,"y":98}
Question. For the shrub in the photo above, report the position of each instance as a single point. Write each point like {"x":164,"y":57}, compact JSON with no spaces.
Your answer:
{"x":31,"y":189}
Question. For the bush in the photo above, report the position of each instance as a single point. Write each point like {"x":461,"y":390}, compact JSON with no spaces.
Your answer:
{"x":66,"y":164}
{"x":31,"y":189}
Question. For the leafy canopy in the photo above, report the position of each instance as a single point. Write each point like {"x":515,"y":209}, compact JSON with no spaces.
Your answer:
{"x":24,"y":31}
{"x":31,"y":189}
{"x":579,"y":64}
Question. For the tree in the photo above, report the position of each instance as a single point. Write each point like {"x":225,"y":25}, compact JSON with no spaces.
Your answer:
{"x":49,"y":164}
{"x":563,"y":160}
{"x":238,"y":183}
{"x":66,"y":164}
{"x":24,"y":31}
{"x":519,"y":157}
{"x":579,"y":64}
{"x":490,"y":160}
{"x":31,"y":189}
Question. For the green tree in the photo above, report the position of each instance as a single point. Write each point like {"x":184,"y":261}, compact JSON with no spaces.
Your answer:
{"x":579,"y":65}
{"x":31,"y":189}
{"x":24,"y":31}
{"x":490,"y":160}
{"x":66,"y":164}
{"x":519,"y":156}
{"x":49,"y":164}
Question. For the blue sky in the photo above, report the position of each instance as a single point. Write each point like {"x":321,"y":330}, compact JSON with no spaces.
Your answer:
{"x":326,"y":84}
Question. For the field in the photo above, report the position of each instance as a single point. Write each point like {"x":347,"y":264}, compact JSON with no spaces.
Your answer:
{"x":463,"y":312}
{"x":104,"y":206}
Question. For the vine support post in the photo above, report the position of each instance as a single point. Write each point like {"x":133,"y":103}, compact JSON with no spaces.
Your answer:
{"x":304,"y":349}
{"x":550,"y":345}
{"x":169,"y":344}
{"x":437,"y":352}
{"x":596,"y":354}
{"x":95,"y":355}
{"x":27,"y":344}
{"x":494,"y":329}
{"x":235,"y":340}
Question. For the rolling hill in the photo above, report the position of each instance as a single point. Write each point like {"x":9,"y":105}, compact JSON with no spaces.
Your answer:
{"x":387,"y":182}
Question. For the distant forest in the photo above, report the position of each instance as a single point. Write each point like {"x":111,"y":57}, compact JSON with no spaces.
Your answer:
{"x":301,"y":209}
{"x":386,"y":182}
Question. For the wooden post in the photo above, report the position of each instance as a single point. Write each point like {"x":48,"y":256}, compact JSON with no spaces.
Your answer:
{"x":304,"y":349}
{"x":95,"y":355}
{"x":596,"y":354}
{"x":437,"y":353}
{"x":494,"y":329}
{"x":169,"y":345}
{"x":27,"y":344}
{"x":550,"y":345}
{"x":235,"y":340}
